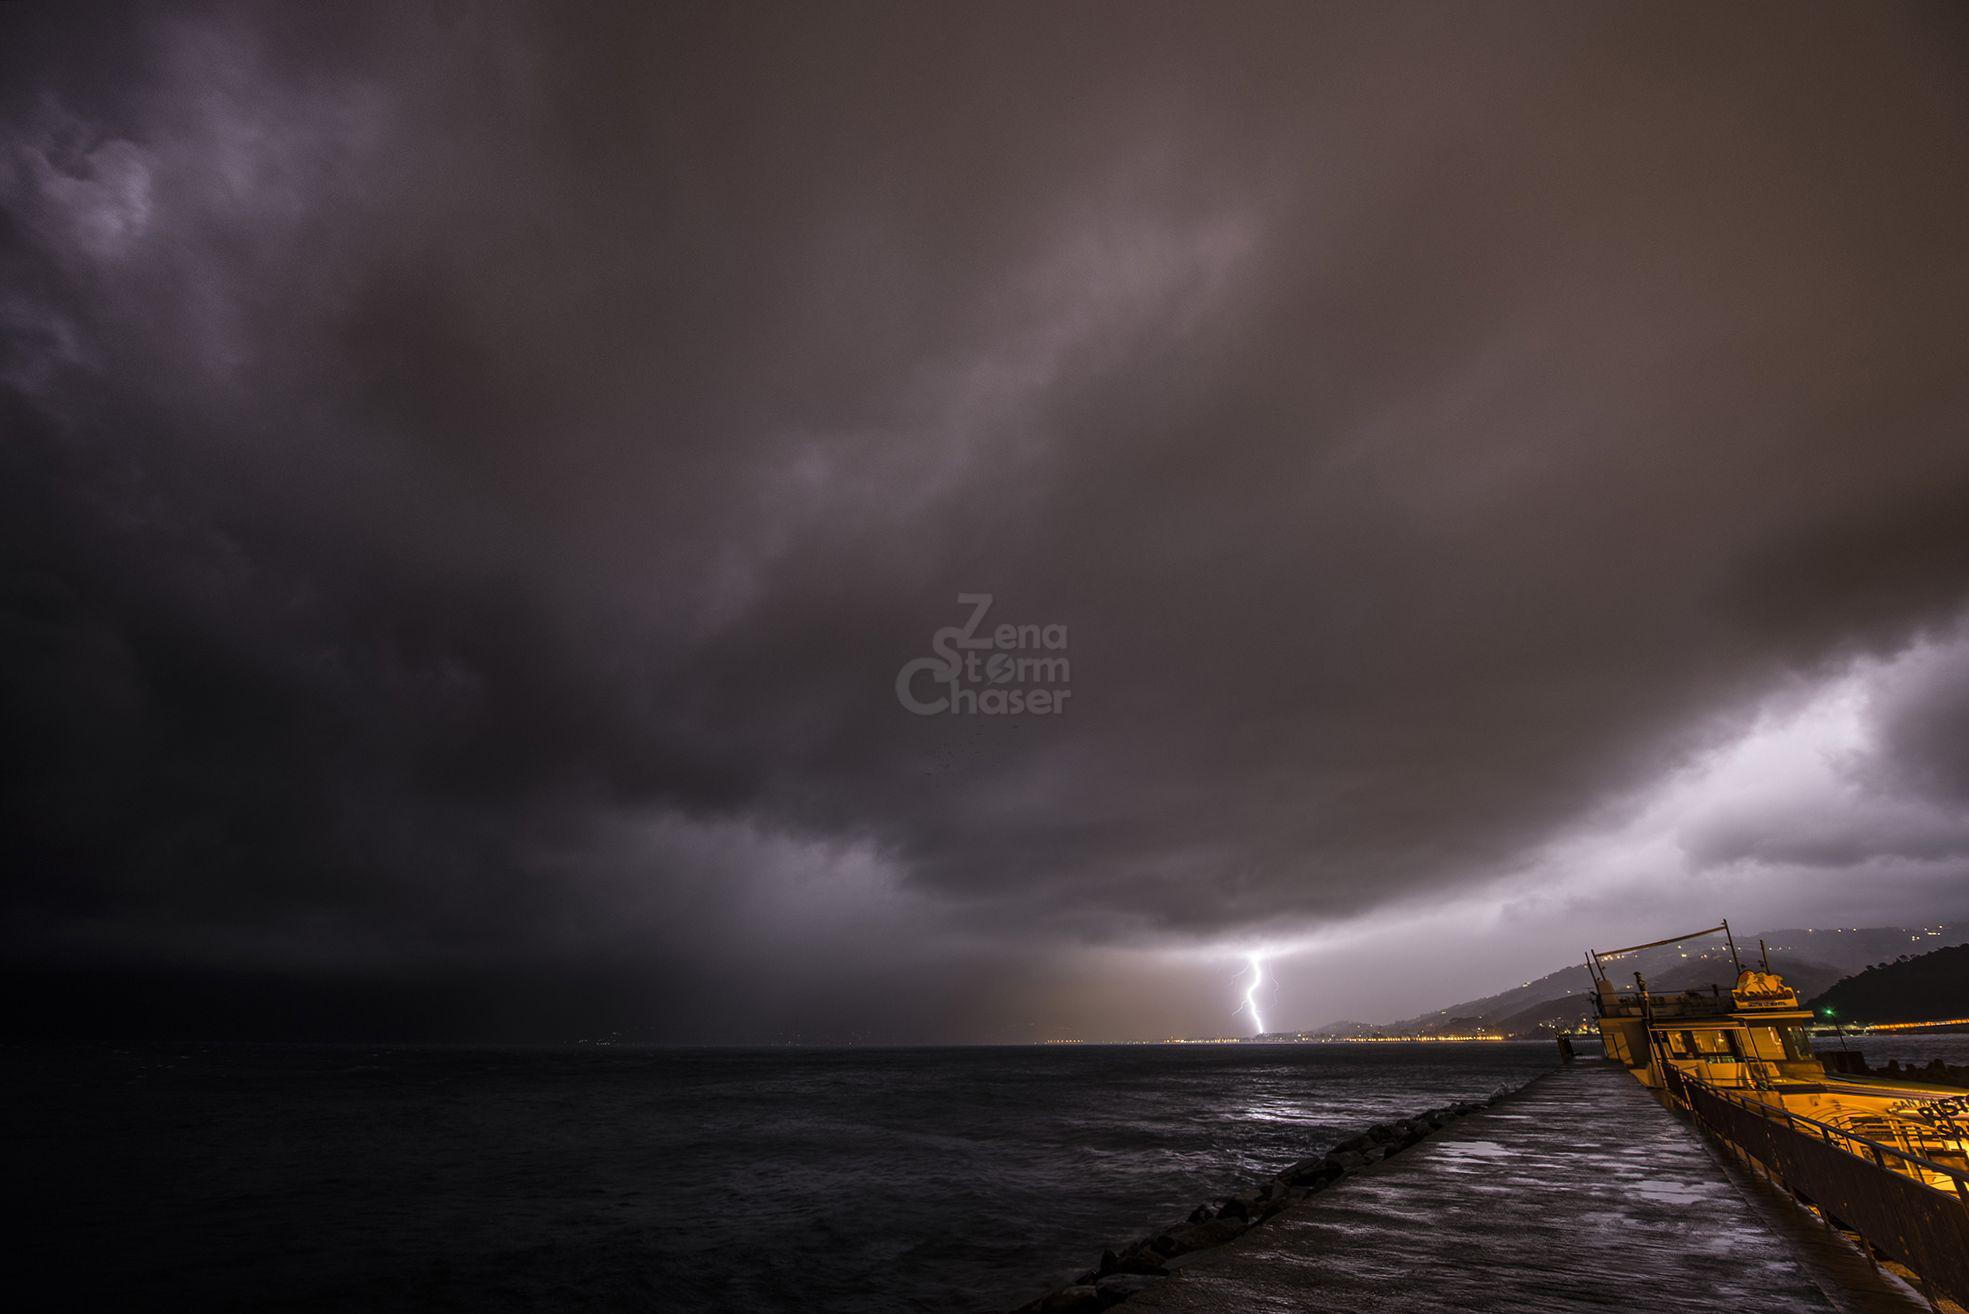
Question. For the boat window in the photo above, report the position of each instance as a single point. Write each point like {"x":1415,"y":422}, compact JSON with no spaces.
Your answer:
{"x":1768,"y":1045}
{"x":1712,"y":1042}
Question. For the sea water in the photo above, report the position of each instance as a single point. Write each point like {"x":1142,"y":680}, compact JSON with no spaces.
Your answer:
{"x":834,"y":1181}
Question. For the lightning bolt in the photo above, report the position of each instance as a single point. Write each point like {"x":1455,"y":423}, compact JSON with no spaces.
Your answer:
{"x":1251,"y":993}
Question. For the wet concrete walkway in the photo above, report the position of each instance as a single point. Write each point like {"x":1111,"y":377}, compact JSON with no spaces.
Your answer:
{"x":1578,"y":1193}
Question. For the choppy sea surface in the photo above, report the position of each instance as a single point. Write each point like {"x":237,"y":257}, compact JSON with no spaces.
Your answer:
{"x":217,"y":1177}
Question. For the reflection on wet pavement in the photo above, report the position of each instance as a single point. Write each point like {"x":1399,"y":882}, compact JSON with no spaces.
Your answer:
{"x":1581,"y":1192}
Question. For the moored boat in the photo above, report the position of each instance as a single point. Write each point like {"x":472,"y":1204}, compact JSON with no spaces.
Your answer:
{"x":1885,"y":1159}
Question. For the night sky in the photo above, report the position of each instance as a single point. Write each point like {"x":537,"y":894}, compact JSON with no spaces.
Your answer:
{"x":470,"y":479}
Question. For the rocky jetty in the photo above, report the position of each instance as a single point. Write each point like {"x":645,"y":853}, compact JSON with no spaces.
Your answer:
{"x":1148,"y":1260}
{"x":1942,"y":1074}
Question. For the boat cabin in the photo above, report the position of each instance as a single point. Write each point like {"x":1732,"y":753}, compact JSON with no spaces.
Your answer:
{"x":1753,"y":1035}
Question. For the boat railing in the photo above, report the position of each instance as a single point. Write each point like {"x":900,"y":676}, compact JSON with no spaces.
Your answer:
{"x":1891,"y":1157}
{"x":1905,"y":1206}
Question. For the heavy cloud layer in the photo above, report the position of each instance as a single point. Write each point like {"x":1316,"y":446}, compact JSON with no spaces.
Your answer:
{"x":471,"y":478}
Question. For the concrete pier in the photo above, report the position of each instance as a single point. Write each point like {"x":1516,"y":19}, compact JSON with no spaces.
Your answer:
{"x":1578,"y":1193}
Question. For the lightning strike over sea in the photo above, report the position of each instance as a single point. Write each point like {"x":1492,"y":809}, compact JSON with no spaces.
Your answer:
{"x":1257,"y":962}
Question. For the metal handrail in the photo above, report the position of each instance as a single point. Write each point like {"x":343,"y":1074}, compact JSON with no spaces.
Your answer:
{"x":1596,"y":962}
{"x":1773,"y":1112}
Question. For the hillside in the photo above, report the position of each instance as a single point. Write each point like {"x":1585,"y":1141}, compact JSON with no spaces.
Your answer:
{"x":1812,"y":960}
{"x":1925,"y":988}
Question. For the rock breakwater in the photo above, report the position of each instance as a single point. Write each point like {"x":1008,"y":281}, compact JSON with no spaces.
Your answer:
{"x":1149,"y":1260}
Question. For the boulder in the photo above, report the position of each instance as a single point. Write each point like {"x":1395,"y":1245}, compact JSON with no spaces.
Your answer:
{"x":1276,"y":1204}
{"x":1199,"y":1236}
{"x":1315,"y":1174}
{"x":1121,"y":1286}
{"x":1070,"y":1300}
{"x":1241,"y":1206}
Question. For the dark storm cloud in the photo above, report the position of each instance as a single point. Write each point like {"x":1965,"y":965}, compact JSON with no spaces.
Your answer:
{"x":474,"y":475}
{"x":1925,"y":728}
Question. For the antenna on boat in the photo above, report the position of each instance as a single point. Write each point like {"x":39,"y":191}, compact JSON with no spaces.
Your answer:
{"x":1764,"y":949}
{"x":1733,"y":944}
